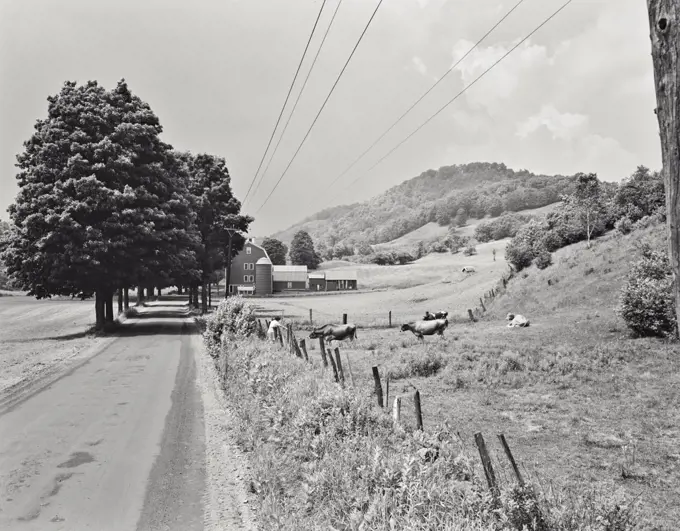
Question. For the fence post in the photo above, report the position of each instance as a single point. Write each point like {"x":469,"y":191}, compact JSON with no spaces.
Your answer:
{"x":303,"y":346}
{"x":338,"y":362}
{"x":472,"y":317}
{"x":311,"y":321}
{"x":344,"y":318}
{"x":378,"y":386}
{"x":298,"y":353}
{"x":323,"y":352}
{"x":349,"y":368}
{"x":504,"y":443}
{"x":335,"y":369}
{"x":419,"y":414}
{"x":396,"y":410}
{"x":486,"y":463}
{"x":280,"y":335}
{"x":390,"y":318}
{"x":387,"y":389}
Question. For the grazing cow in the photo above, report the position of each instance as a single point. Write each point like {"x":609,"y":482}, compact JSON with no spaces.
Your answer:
{"x":517,"y":321}
{"x":335,"y":332}
{"x":426,"y":328}
{"x":468,"y":269}
{"x":429,"y":316}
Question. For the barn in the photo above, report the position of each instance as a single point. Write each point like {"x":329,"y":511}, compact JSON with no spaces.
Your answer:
{"x":289,"y":278}
{"x":341,"y":280}
{"x":317,"y":281}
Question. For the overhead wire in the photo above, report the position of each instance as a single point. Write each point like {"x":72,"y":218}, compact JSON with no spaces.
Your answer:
{"x":304,"y":84}
{"x":285,"y":102}
{"x":377,"y":140}
{"x":462,"y":91}
{"x":322,"y":108}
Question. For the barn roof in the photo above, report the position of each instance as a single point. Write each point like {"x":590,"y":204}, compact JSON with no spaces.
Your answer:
{"x":341,"y":274}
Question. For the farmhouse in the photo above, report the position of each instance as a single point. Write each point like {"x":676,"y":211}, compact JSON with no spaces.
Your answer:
{"x":252,"y":273}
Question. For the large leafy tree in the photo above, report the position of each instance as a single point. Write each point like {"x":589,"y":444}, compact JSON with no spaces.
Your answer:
{"x":588,"y":201}
{"x":99,"y":206}
{"x":217,"y":210}
{"x":302,"y":251}
{"x":276,"y":249}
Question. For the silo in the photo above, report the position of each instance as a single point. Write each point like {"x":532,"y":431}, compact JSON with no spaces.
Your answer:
{"x":263,"y":277}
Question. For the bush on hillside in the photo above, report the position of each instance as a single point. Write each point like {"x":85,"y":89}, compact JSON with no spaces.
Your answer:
{"x":624,"y":225}
{"x":470,"y":250}
{"x":543,"y":259}
{"x":505,"y":226}
{"x":646,"y":303}
{"x":233,"y":319}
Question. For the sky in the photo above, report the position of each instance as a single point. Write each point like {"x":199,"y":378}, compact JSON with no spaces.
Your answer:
{"x":576,"y":96}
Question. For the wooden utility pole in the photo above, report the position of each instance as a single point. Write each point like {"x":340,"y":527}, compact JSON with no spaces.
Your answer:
{"x":664,"y":24}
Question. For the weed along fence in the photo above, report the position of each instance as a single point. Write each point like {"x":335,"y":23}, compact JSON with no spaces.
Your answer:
{"x":340,"y":371}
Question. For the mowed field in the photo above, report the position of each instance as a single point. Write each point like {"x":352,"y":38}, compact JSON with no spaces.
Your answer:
{"x":435,"y":282}
{"x":586,"y":408}
{"x":37,"y":337}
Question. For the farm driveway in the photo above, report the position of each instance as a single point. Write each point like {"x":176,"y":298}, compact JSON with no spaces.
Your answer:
{"x":117,"y":443}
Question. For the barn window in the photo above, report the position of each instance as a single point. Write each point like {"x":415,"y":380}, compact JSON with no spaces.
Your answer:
{"x":245,"y":278}
{"x":249,"y":249}
{"x":252,"y":278}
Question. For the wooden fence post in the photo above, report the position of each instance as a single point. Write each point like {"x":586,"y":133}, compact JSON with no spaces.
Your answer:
{"x":323,"y":352}
{"x":338,"y":362}
{"x":298,"y":352}
{"x":349,"y":368}
{"x":390,"y":318}
{"x":396,"y":410}
{"x":470,"y":314}
{"x":419,"y":414}
{"x":311,"y":321}
{"x":482,"y":303}
{"x":279,"y":333}
{"x":303,"y":346}
{"x":378,"y":386}
{"x":344,"y":318}
{"x":504,"y":443}
{"x":387,"y":389}
{"x":505,"y":283}
{"x":486,"y":463}
{"x":335,"y":369}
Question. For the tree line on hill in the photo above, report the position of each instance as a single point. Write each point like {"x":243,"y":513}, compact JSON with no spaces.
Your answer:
{"x":105,"y":205}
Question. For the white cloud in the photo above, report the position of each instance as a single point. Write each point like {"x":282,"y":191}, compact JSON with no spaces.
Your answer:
{"x":561,"y":125}
{"x":419,"y":65}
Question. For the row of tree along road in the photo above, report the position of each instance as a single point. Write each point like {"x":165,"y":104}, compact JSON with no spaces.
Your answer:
{"x":105,"y":205}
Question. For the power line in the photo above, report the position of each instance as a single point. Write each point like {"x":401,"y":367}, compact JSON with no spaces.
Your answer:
{"x":304,"y":84}
{"x":423,"y":96}
{"x":461,"y":92}
{"x":322,"y":107}
{"x":285,"y":102}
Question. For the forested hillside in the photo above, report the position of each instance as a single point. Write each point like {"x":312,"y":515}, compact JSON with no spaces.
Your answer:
{"x":474,"y":190}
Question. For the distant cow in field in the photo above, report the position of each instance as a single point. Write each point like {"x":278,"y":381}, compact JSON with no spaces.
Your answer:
{"x":469,"y":269}
{"x":426,"y":328}
{"x":335,"y":332}
{"x":429,"y":316}
{"x":517,"y":321}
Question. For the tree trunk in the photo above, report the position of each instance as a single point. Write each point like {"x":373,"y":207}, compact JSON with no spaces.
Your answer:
{"x":159,"y":292}
{"x":664,"y":23}
{"x":179,"y":289}
{"x":99,"y":309}
{"x":204,"y":298}
{"x":140,"y":295}
{"x":209,"y":294}
{"x":108,"y":311}
{"x":120,"y":300}
{"x":126,"y":297}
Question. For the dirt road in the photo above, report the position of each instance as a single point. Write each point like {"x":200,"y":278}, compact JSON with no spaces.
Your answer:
{"x":116,"y":444}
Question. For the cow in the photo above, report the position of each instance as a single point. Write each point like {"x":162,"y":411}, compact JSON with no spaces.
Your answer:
{"x":426,"y":328}
{"x":335,"y":332}
{"x":429,"y":316}
{"x":517,"y":321}
{"x":469,"y":269}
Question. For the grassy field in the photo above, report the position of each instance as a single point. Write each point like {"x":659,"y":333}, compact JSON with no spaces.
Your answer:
{"x":584,"y":406}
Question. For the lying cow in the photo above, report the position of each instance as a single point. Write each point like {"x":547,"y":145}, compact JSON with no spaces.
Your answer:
{"x":429,"y":316}
{"x":335,"y":332}
{"x":468,"y":269}
{"x":518,"y":321}
{"x":426,"y":328}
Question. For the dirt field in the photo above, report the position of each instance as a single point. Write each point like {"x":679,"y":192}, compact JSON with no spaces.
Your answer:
{"x":39,"y":337}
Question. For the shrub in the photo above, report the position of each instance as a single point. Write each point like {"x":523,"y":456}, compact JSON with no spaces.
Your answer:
{"x":624,"y":225}
{"x":233,"y":319}
{"x":519,"y":253}
{"x":470,"y":250}
{"x":543,"y":259}
{"x":646,"y":303}
{"x":425,"y":366}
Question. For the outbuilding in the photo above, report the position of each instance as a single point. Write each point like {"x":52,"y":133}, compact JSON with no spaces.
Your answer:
{"x":289,"y":278}
{"x":340,"y":280}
